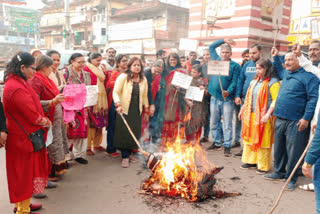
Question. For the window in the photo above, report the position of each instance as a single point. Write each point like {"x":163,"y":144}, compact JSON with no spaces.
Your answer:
{"x":103,"y":31}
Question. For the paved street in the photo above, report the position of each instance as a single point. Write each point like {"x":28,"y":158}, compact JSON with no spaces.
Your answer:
{"x":103,"y":186}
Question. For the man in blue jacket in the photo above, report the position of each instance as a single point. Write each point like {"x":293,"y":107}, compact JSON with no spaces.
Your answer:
{"x":222,"y":101}
{"x":247,"y":73}
{"x":295,"y":106}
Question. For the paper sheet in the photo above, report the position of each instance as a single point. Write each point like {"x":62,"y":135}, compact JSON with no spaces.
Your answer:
{"x":195,"y":93}
{"x":49,"y":137}
{"x":92,"y":95}
{"x":181,"y":80}
{"x":75,"y":96}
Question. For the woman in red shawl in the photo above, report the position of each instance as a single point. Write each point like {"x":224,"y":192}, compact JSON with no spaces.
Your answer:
{"x":174,"y":105}
{"x":27,"y":171}
{"x":121,"y":67}
{"x":50,"y":99}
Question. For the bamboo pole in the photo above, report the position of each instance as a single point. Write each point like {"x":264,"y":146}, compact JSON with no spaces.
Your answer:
{"x":290,"y":177}
{"x":133,"y":136}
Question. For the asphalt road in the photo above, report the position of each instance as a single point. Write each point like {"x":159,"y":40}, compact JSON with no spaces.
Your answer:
{"x":103,"y":186}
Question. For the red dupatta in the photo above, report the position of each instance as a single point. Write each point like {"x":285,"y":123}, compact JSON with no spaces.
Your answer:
{"x":52,"y":88}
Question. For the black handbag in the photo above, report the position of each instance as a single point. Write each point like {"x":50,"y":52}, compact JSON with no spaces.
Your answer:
{"x":37,"y":138}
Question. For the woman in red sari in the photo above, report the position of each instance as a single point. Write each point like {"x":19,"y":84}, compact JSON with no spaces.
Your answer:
{"x":27,"y":171}
{"x":121,"y":67}
{"x":174,"y":105}
{"x":50,"y":99}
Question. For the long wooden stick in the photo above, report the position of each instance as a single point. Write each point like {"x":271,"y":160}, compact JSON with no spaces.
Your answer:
{"x":133,"y":136}
{"x":290,"y":177}
{"x":221,"y":86}
{"x":174,"y":97}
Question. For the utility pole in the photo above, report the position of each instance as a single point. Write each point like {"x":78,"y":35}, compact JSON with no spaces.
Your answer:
{"x":67,"y":41}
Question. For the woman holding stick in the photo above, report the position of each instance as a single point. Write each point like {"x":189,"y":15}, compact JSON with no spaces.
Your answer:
{"x":174,"y":105}
{"x":130,"y":96}
{"x":257,"y":119}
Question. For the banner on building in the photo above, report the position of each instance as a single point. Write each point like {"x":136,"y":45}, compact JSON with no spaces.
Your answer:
{"x":301,"y":25}
{"x":315,"y":6}
{"x":315,"y":25}
{"x":268,"y":6}
{"x":220,"y":8}
{"x":16,"y":2}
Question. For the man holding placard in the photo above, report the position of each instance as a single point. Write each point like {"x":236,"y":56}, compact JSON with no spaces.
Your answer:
{"x":222,"y":86}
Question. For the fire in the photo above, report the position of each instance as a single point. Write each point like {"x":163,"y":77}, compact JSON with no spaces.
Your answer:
{"x":180,"y":170}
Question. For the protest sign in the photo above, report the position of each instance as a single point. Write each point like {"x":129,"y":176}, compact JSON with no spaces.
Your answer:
{"x":195,"y":93}
{"x":216,"y":67}
{"x":49,"y":137}
{"x":92,"y":95}
{"x":75,"y":96}
{"x":181,"y":80}
{"x":68,"y":116}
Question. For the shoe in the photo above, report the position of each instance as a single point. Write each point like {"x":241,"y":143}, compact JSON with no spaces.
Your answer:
{"x":214,"y":147}
{"x":227,"y":152}
{"x":236,"y":144}
{"x":135,"y":150}
{"x":53,"y":179}
{"x":273,"y":176}
{"x":99,"y":148}
{"x":40,"y":195}
{"x":204,"y":139}
{"x":67,"y":165}
{"x":307,"y":187}
{"x":90,"y":152}
{"x":239,"y":154}
{"x":248,"y":166}
{"x":51,"y":185}
{"x":261,"y":172}
{"x":114,"y":154}
{"x":33,"y":207}
{"x":81,"y":160}
{"x":133,"y":159}
{"x":291,"y":186}
{"x":125,"y":162}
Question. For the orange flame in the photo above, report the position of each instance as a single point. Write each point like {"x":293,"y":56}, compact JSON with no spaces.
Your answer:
{"x":181,"y":169}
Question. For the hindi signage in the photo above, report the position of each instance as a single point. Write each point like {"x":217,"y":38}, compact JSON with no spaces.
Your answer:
{"x":195,"y":93}
{"x":181,"y":80}
{"x":216,"y":67}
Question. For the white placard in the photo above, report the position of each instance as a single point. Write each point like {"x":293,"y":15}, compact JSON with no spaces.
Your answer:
{"x":181,"y":80}
{"x":92,"y":95}
{"x":49,"y":137}
{"x":216,"y":67}
{"x":1,"y":76}
{"x":195,"y":93}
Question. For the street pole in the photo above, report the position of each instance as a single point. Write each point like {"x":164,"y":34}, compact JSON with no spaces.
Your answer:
{"x":67,"y":26}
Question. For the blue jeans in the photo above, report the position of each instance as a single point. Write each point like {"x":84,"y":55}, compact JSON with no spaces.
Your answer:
{"x":316,"y":182}
{"x":289,"y":144}
{"x":238,"y":124}
{"x":111,"y":125}
{"x":125,"y":153}
{"x":219,"y":108}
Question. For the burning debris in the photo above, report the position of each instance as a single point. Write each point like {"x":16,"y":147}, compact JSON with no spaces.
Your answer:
{"x":183,"y":171}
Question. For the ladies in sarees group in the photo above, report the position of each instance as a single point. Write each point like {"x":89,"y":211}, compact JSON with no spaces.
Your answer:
{"x":130,"y":96}
{"x":257,"y":118}
{"x":78,"y":129}
{"x":121,"y":67}
{"x":98,"y":114}
{"x":174,"y":103}
{"x":27,"y":171}
{"x":51,"y":98}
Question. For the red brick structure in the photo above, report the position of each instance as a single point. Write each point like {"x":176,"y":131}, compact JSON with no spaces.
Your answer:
{"x":245,"y":21}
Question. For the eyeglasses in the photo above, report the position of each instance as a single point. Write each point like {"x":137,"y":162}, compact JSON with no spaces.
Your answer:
{"x":80,"y":62}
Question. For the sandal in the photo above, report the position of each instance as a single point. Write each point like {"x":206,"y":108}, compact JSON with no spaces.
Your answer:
{"x":90,"y":152}
{"x":307,"y":187}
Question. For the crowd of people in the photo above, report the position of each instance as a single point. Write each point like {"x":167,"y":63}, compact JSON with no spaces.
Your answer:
{"x":273,"y":103}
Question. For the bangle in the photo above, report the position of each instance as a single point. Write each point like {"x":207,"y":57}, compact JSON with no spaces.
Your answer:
{"x":308,"y":166}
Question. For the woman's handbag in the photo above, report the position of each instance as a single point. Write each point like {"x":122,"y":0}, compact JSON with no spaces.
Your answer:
{"x":37,"y":138}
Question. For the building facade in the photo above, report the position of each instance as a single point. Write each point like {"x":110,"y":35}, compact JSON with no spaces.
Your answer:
{"x":143,"y":28}
{"x":246,"y":21}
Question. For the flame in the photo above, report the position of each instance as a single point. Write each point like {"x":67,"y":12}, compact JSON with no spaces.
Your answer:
{"x":181,"y":168}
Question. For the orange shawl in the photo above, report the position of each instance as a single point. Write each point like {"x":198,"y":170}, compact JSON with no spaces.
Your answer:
{"x":260,"y":110}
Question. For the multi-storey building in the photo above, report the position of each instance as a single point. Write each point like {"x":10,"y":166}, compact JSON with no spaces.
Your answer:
{"x":245,"y":21}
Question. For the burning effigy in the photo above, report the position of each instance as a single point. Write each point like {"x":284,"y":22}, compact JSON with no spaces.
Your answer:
{"x":183,"y":171}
